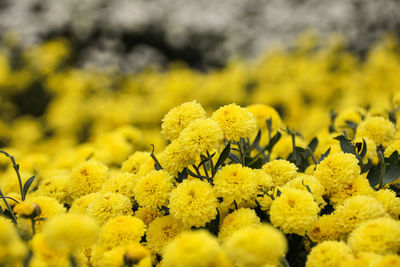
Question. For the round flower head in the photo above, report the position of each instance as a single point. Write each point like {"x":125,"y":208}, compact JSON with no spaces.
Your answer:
{"x":11,"y":247}
{"x":47,"y":255}
{"x":172,"y":159}
{"x":80,"y":204}
{"x":153,"y":189}
{"x":378,"y":129}
{"x":346,"y":116}
{"x":381,"y":235}
{"x":179,"y":118}
{"x":71,"y":231}
{"x":387,"y":260}
{"x":281,"y":171}
{"x":122,"y":183}
{"x":256,"y":246}
{"x":148,"y":214}
{"x":135,"y":161}
{"x":329,"y":254}
{"x":359,"y":186}
{"x":324,"y":229}
{"x":362,"y":259}
{"x":161,"y":231}
{"x":121,"y":231}
{"x":199,"y":137}
{"x":336,"y":171}
{"x":56,"y":186}
{"x":236,"y":183}
{"x":134,"y":255}
{"x":193,"y":202}
{"x":389,"y":201}
{"x":294,"y":211}
{"x":109,"y":205}
{"x":191,"y":249}
{"x":355,"y":210}
{"x":284,"y":147}
{"x":88,"y":177}
{"x":303,"y":181}
{"x":262,"y":113}
{"x":238,"y":219}
{"x":235,"y":122}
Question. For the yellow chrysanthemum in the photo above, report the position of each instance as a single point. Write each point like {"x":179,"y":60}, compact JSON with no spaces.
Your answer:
{"x":194,"y":203}
{"x":324,"y":229}
{"x":303,"y":180}
{"x":336,"y":171}
{"x":378,"y":129}
{"x":262,"y":113}
{"x":329,"y":254}
{"x":236,"y":183}
{"x":191,"y":249}
{"x":238,"y":219}
{"x":153,"y":190}
{"x":359,"y":186}
{"x":121,"y":183}
{"x":351,"y":115}
{"x":199,"y":137}
{"x":71,"y":231}
{"x":12,"y":249}
{"x":356,"y":210}
{"x":256,"y":246}
{"x":134,"y":255}
{"x":284,"y":147}
{"x":294,"y":211}
{"x":387,"y":260}
{"x":161,"y":231}
{"x":46,"y":255}
{"x":148,"y":214}
{"x":362,"y":259}
{"x":172,"y":159}
{"x":80,"y":204}
{"x":381,"y":235}
{"x":179,"y":118}
{"x":236,"y":122}
{"x":281,"y":171}
{"x":109,"y":205}
{"x":389,"y":201}
{"x":135,"y":162}
{"x":56,"y":186}
{"x":88,"y":177}
{"x":121,"y":231}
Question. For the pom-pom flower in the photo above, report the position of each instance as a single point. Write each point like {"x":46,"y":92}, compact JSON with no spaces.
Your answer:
{"x":11,"y":247}
{"x":281,"y":171}
{"x":130,"y":255}
{"x":135,"y":162}
{"x":193,"y":202}
{"x":378,"y":129}
{"x":324,"y":229}
{"x":328,"y":253}
{"x":294,"y":211}
{"x":389,"y":201}
{"x":121,"y":183}
{"x":88,"y":177}
{"x":179,"y":118}
{"x":256,"y":246}
{"x":153,"y":189}
{"x":262,"y":113}
{"x":236,"y":122}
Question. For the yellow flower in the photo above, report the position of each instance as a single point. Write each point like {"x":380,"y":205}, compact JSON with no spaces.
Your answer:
{"x":80,"y":204}
{"x":336,"y":171}
{"x":179,"y":118}
{"x":56,"y":186}
{"x":381,"y":235}
{"x":238,"y":219}
{"x":303,"y":180}
{"x":362,"y":259}
{"x":256,"y":246}
{"x":395,"y":146}
{"x":161,"y":231}
{"x":88,"y":177}
{"x":172,"y":159}
{"x":235,"y":122}
{"x":109,"y":205}
{"x":135,"y":162}
{"x":353,"y":115}
{"x":389,"y":201}
{"x":121,"y":231}
{"x":329,"y":254}
{"x":122,"y":183}
{"x":12,"y":249}
{"x":294,"y":211}
{"x":199,"y":137}
{"x":356,"y":210}
{"x":153,"y":190}
{"x":148,"y":214}
{"x":324,"y":229}
{"x":191,"y":249}
{"x":193,"y":202}
{"x":284,"y":147}
{"x":387,"y":260}
{"x":359,"y":186}
{"x":281,"y":171}
{"x":262,"y":113}
{"x":133,"y":255}
{"x":46,"y":255}
{"x":378,"y":129}
{"x":71,"y":231}
{"x":236,"y":183}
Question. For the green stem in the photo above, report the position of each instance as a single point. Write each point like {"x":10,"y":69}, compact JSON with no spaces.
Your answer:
{"x":383,"y":169}
{"x":211,"y":164}
{"x":242,"y":155}
{"x":33,"y":226}
{"x":16,"y":168}
{"x":14,"y":219}
{"x":312,"y":155}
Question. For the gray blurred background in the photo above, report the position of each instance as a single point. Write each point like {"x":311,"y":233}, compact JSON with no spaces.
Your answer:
{"x":128,"y":35}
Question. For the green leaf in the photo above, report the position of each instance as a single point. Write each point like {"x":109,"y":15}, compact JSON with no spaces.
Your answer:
{"x":391,"y":175}
{"x":313,"y":144}
{"x":373,"y":175}
{"x":234,"y":158}
{"x":27,"y":185}
{"x":324,"y":155}
{"x":273,"y":141}
{"x":393,"y":158}
{"x":364,"y":149}
{"x":182,"y":175}
{"x":223,"y":156}
{"x":352,"y":125}
{"x":346,"y":145}
{"x":256,"y":141}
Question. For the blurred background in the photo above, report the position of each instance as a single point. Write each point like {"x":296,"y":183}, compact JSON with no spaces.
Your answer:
{"x":128,"y":35}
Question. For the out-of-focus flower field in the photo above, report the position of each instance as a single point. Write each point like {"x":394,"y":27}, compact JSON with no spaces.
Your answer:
{"x":290,"y":159}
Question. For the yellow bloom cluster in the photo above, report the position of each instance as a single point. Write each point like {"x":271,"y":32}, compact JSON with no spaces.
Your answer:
{"x":294,"y":157}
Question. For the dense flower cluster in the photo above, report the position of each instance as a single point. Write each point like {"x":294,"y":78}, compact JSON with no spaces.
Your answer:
{"x":229,"y":185}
